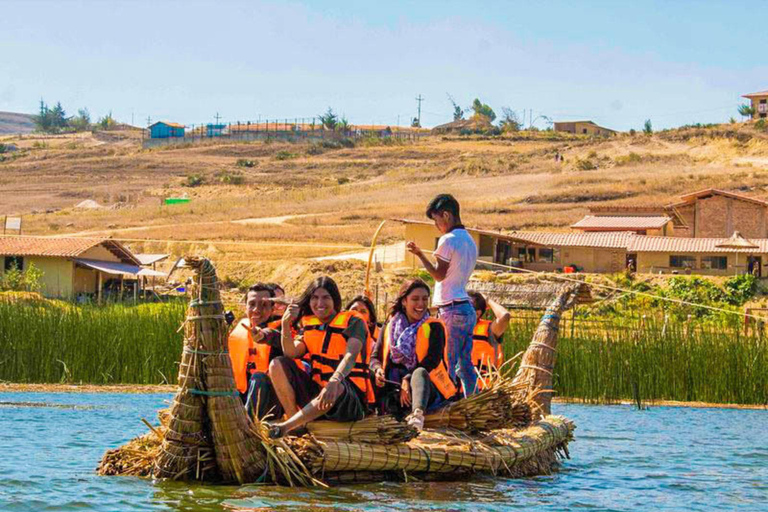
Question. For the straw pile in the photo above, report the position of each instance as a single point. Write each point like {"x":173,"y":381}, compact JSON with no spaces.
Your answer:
{"x":207,"y":418}
{"x":502,"y":404}
{"x":538,"y":363}
{"x":434,"y":452}
{"x":382,"y":430}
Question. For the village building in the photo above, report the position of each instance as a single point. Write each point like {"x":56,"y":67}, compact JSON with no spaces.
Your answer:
{"x":653,"y":225}
{"x":78,"y":268}
{"x":759,"y":102}
{"x":713,"y":213}
{"x":166,"y":130}
{"x":463,"y":126}
{"x":583,"y":128}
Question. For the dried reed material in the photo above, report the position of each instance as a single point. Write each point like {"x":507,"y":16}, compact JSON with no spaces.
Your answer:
{"x":239,"y":453}
{"x":441,"y":453}
{"x":501,"y":404}
{"x":538,"y":362}
{"x":373,"y":429}
{"x":135,"y":458}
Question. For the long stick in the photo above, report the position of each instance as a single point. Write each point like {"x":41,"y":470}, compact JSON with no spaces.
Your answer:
{"x":370,"y":258}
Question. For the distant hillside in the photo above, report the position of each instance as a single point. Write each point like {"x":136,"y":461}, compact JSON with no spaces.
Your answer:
{"x":11,"y":122}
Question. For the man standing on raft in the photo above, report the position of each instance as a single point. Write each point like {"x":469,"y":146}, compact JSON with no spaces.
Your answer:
{"x":456,"y":256}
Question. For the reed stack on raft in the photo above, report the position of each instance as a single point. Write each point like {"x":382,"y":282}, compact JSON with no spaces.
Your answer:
{"x":207,"y":418}
{"x":538,"y":363}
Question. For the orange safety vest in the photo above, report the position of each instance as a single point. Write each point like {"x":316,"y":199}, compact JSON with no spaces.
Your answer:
{"x":326,"y":346}
{"x":439,"y":375}
{"x":484,"y":353}
{"x":247,"y":356}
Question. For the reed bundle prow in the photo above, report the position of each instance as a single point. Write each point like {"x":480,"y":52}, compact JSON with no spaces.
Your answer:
{"x":538,"y":362}
{"x":209,"y":433}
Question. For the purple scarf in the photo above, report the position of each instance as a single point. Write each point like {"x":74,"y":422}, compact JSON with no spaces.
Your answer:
{"x":402,"y":341}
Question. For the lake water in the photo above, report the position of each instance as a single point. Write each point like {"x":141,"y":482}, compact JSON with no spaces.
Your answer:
{"x":623,"y":459}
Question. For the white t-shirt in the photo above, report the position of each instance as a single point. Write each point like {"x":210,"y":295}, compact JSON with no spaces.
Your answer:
{"x":460,"y":251}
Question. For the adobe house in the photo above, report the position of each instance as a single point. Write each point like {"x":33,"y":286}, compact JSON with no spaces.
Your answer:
{"x":541,"y":251}
{"x":652,"y":225}
{"x":759,"y":102}
{"x":74,"y":267}
{"x":583,"y":128}
{"x":713,"y":213}
{"x":705,"y":256}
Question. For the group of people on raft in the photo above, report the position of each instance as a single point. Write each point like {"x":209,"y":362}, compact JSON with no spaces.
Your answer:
{"x":297,"y":361}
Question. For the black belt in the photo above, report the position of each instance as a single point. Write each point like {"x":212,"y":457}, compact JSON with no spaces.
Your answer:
{"x":454,"y":303}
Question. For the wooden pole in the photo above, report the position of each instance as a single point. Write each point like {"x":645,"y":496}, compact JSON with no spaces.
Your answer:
{"x":98,"y":291}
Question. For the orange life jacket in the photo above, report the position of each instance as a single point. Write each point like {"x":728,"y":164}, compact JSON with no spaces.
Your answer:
{"x":247,"y":356}
{"x":484,"y":353}
{"x":439,"y":375}
{"x":326,"y":346}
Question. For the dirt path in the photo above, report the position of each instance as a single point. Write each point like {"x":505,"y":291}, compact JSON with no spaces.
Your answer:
{"x":275,"y":221}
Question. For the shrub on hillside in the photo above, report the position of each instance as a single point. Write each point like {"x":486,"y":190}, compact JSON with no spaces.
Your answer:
{"x":284,"y":155}
{"x":194,"y":180}
{"x":243,"y":162}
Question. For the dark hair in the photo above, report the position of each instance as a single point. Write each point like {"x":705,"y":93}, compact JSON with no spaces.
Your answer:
{"x":275,"y":287}
{"x":405,"y":290}
{"x":261,"y":287}
{"x":327,"y":284}
{"x":444,"y":203}
{"x":479,"y":302}
{"x":372,"y":321}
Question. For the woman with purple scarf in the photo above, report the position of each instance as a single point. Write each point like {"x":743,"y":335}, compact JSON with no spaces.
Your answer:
{"x":408,"y":361}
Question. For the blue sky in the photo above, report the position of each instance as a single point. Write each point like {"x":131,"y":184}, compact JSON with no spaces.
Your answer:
{"x":617,"y":63}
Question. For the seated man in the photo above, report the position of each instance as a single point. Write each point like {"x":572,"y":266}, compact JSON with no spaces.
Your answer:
{"x":488,"y":334}
{"x":253,"y":344}
{"x":339,"y":383}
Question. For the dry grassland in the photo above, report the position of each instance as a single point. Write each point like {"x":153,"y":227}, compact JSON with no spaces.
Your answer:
{"x":502,"y":183}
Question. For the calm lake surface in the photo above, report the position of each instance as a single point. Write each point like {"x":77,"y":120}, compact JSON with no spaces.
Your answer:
{"x":623,"y":459}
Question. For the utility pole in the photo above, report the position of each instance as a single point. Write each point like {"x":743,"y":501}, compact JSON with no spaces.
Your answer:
{"x":419,"y":99}
{"x":149,"y":120}
{"x":217,"y":117}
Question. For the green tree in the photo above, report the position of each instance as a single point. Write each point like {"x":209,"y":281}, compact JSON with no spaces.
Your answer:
{"x":43,"y":118}
{"x":458,"y":112}
{"x":481,"y":109}
{"x":415,"y":123}
{"x":107,"y":122}
{"x":343,"y":125}
{"x":58,"y":117}
{"x":647,"y":127}
{"x":746,"y":110}
{"x":82,"y":121}
{"x":329,"y":120}
{"x":509,"y":120}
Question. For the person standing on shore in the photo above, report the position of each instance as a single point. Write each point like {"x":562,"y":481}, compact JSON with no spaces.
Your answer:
{"x":456,"y":256}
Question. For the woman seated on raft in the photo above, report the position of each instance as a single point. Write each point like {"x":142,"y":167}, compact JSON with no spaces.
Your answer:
{"x":409,"y":360}
{"x":339,"y":385}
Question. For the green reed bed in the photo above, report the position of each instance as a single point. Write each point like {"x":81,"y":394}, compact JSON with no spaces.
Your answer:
{"x":41,"y":342}
{"x":672,"y":360}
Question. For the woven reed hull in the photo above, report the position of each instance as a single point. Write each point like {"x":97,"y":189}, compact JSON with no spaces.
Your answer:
{"x":534,"y":450}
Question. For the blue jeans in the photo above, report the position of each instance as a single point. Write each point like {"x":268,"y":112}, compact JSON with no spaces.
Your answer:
{"x":460,"y":319}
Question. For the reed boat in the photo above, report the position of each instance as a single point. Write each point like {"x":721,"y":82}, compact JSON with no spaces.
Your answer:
{"x":206,"y":435}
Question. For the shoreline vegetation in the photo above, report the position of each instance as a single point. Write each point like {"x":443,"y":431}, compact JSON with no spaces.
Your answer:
{"x":621,"y":349}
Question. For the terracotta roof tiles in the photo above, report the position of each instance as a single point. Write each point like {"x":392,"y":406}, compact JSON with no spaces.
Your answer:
{"x":622,"y":222}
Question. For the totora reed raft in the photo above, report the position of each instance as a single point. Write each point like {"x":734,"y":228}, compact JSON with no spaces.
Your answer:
{"x":206,"y":435}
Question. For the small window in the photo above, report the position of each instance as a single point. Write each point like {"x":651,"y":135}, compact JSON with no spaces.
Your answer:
{"x":526,"y":254}
{"x":547,"y":255}
{"x":16,"y":262}
{"x":676,"y":261}
{"x":583,"y":130}
{"x":714,"y":262}
{"x":763,"y":102}
{"x":763,"y":115}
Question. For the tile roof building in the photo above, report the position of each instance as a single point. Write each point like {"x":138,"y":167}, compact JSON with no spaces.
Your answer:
{"x":74,"y":267}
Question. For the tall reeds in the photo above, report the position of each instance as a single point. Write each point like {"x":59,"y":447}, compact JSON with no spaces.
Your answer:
{"x":655,"y":359}
{"x":41,"y":342}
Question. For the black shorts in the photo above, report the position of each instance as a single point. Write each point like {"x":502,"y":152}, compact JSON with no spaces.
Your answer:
{"x":350,"y":406}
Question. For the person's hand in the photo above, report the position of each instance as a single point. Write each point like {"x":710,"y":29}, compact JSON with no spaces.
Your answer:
{"x":257,"y":334}
{"x":291,"y":313}
{"x":405,"y":393}
{"x":329,"y":394}
{"x":414,"y":249}
{"x":379,"y":375}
